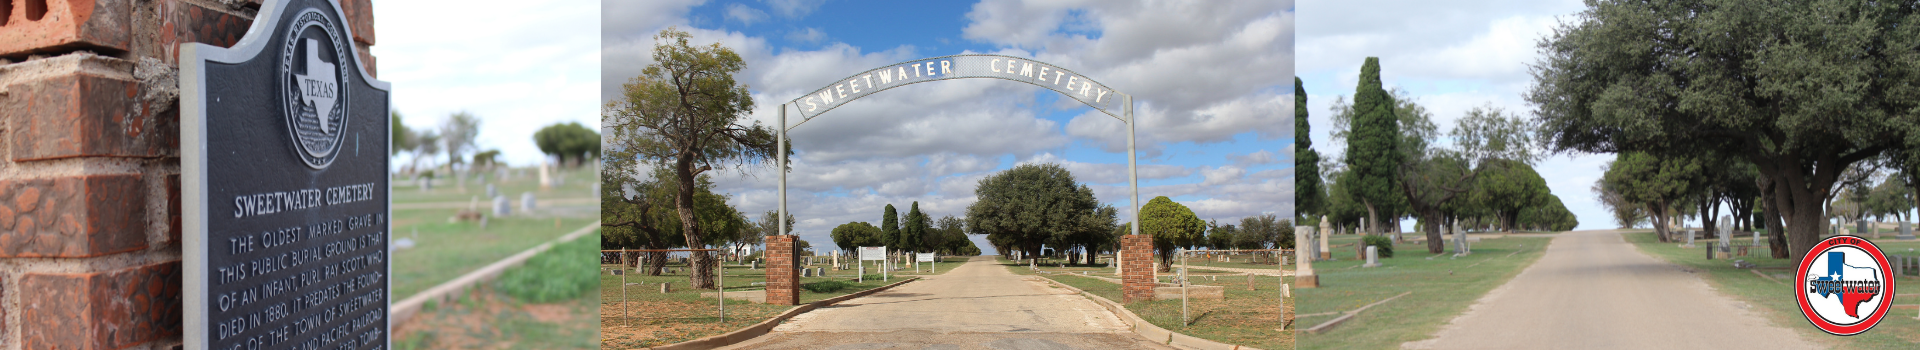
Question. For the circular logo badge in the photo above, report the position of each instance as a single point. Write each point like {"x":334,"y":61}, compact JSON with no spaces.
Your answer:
{"x":313,"y":72}
{"x":1845,"y":286}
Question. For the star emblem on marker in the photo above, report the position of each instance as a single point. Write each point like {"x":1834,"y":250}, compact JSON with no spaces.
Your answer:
{"x":317,"y":85}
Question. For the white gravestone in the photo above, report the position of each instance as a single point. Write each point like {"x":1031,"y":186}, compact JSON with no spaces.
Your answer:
{"x":1303,"y":273}
{"x":1324,"y":252}
{"x":1373,"y":256}
{"x":492,"y":192}
{"x":1689,"y":238}
{"x":1726,"y":235}
{"x":1906,"y":230}
{"x":526,"y":202}
{"x":500,"y":206}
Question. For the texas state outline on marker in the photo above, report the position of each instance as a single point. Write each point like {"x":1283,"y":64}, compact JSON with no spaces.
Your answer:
{"x":1851,"y":296}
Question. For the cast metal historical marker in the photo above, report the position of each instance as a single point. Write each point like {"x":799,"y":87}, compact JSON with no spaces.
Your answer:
{"x":284,"y":142}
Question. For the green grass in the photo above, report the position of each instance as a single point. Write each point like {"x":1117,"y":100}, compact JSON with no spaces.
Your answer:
{"x":1898,"y":330}
{"x":446,"y":250}
{"x":644,"y":317}
{"x":1245,"y":317}
{"x":565,"y":271}
{"x":1443,"y":287}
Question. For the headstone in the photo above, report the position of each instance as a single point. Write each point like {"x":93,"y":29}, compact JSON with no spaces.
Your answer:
{"x":1756,"y":238}
{"x":666,"y":287}
{"x":283,"y":150}
{"x":426,"y":183}
{"x":492,"y":192}
{"x":1324,"y":252}
{"x":501,"y":207}
{"x":546,"y":181}
{"x":1861,"y":226}
{"x":1726,"y":237}
{"x":1906,"y":230}
{"x":526,"y":202}
{"x":1689,"y":239}
{"x":1373,"y":256}
{"x":1303,"y":273}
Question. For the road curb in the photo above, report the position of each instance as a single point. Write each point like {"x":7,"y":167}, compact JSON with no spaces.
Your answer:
{"x":1147,"y":329}
{"x":762,"y":328}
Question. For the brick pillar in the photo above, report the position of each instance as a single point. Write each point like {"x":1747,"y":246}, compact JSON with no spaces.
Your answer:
{"x":1136,"y":268}
{"x":783,"y":278}
{"x":90,"y":202}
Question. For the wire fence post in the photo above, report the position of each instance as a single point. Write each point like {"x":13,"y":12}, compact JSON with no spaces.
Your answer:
{"x":721,"y":273}
{"x":628,"y":318}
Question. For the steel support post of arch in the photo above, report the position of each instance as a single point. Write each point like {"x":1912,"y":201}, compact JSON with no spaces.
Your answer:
{"x":781,"y":167}
{"x":1133,"y":174}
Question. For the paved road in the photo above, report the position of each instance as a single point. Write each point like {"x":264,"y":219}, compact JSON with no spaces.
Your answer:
{"x":979,"y":305}
{"x":1592,"y":290}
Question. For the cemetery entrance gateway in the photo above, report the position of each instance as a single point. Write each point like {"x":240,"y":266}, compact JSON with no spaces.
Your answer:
{"x":1042,"y":74}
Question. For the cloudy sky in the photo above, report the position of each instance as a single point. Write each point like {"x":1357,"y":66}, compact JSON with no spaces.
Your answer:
{"x":518,"y":68}
{"x":1211,"y":84}
{"x":1451,"y":57}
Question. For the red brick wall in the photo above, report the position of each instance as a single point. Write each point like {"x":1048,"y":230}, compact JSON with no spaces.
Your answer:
{"x":89,"y":165}
{"x":783,"y":278}
{"x":1136,"y":268}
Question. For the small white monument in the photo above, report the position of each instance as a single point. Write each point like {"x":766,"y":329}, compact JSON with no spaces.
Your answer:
{"x":1373,"y":257}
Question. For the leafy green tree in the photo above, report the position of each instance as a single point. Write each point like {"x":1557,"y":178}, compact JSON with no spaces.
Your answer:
{"x":1890,"y":199}
{"x":686,"y":112}
{"x":853,"y":235}
{"x":1309,"y":195}
{"x":1263,"y":231}
{"x":1803,"y":90}
{"x":638,"y":217}
{"x":1626,"y":214}
{"x":569,"y":142}
{"x":953,"y":234}
{"x":1550,"y":215}
{"x":1654,"y":182}
{"x":1172,"y":225}
{"x":1505,"y":187}
{"x":402,"y":136}
{"x":461,"y":132}
{"x":1220,"y":236}
{"x":1028,"y":205}
{"x":768,"y":225}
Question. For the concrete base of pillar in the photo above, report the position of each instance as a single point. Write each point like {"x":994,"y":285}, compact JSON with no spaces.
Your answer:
{"x":1307,"y":281}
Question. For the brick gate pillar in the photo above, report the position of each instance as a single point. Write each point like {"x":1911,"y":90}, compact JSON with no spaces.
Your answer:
{"x":783,"y":281}
{"x":1136,"y":268}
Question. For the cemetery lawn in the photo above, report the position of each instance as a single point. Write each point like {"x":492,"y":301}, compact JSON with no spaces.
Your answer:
{"x":443,"y":251}
{"x":490,"y":316}
{"x":1442,"y":288}
{"x":1899,"y":330}
{"x":644,"y":317}
{"x":1250,"y":318}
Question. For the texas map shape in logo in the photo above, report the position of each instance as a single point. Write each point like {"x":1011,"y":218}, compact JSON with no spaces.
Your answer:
{"x":1851,"y":296}
{"x":317,"y":86}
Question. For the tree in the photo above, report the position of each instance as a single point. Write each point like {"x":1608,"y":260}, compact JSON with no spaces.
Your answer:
{"x":1507,"y":187}
{"x":1802,"y":90}
{"x":1220,"y":236}
{"x":636,"y":216}
{"x":570,"y":142}
{"x":1890,"y":198}
{"x":426,"y":145}
{"x":1373,"y":143}
{"x":685,"y":111}
{"x":461,"y":131}
{"x":1625,"y":213}
{"x":853,"y":235}
{"x":913,"y":232}
{"x":1654,"y":182}
{"x":1172,"y":225}
{"x":1026,"y":206}
{"x":1309,"y":196}
{"x":1550,"y":215}
{"x":954,"y":235}
{"x":1261,"y":232}
{"x":402,"y":137}
{"x":890,"y":229}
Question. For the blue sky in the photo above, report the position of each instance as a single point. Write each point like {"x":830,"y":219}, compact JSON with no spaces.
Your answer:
{"x":1213,"y":99}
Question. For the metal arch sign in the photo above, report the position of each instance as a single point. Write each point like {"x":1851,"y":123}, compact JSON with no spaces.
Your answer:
{"x":1079,"y":87}
{"x":1042,"y":74}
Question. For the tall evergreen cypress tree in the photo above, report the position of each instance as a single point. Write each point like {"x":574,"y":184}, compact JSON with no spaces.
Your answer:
{"x":1372,"y":156}
{"x":890,"y":228}
{"x":1309,"y":195}
{"x":914,"y":231}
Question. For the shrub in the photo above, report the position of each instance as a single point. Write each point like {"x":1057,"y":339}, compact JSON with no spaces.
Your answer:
{"x":826,"y":286}
{"x":1385,"y":244}
{"x":566,"y":271}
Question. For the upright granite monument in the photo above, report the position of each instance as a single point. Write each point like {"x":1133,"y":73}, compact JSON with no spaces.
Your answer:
{"x":284,"y":140}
